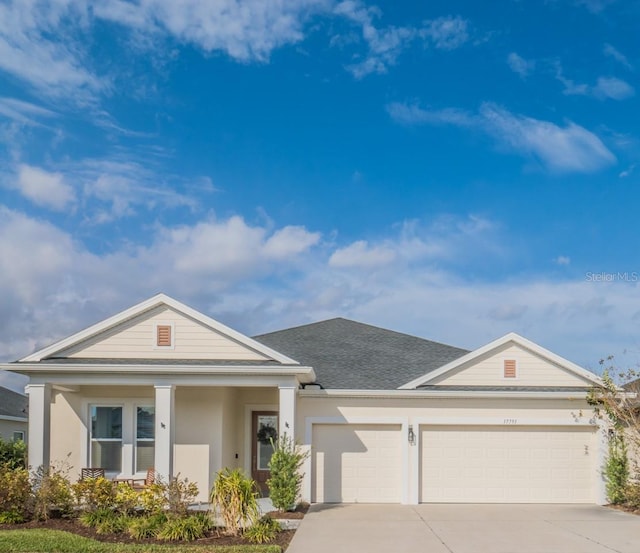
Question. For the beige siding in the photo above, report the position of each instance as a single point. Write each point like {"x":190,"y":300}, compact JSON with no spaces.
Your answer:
{"x":531,"y":370}
{"x":135,"y":339}
{"x":436,"y":408}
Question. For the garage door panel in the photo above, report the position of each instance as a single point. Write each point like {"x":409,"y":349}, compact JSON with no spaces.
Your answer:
{"x":356,"y":463}
{"x":507,"y":464}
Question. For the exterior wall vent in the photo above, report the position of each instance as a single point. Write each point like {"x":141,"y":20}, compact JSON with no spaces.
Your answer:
{"x":509,"y":368}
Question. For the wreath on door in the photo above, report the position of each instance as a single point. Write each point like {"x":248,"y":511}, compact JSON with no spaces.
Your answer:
{"x":267,"y":433}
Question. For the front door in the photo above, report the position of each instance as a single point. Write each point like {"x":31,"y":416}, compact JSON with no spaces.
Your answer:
{"x":264,"y":428}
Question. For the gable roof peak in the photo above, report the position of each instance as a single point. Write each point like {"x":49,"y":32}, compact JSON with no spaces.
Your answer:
{"x":142,"y":307}
{"x":495,"y":344}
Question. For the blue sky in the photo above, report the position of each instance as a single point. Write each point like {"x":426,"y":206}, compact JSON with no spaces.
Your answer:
{"x":455,"y":170}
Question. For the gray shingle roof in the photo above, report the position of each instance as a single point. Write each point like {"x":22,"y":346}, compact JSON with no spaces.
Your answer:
{"x":350,"y":355}
{"x":13,"y":404}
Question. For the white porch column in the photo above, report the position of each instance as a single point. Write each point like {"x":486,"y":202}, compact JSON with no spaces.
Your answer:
{"x":287,"y":411}
{"x":39,"y":424}
{"x":165,"y":430}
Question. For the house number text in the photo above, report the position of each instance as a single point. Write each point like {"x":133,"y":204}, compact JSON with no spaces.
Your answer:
{"x":510,"y":421}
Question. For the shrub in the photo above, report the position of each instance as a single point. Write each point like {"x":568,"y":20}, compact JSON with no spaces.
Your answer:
{"x":95,"y":493}
{"x":11,"y":517}
{"x":286,"y":479}
{"x":263,"y":531}
{"x":234,"y":494}
{"x":51,"y":492}
{"x":184,"y":528}
{"x":13,"y":454}
{"x":146,"y":526}
{"x":114,"y":523}
{"x":616,"y":469}
{"x":15,"y":493}
{"x":152,"y":498}
{"x":632,"y":496}
{"x":179,"y":494}
{"x":125,"y":499}
{"x":93,"y":518}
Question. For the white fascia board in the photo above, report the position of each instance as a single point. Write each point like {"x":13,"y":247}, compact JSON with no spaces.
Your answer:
{"x":432,"y":394}
{"x":13,"y":419}
{"x":151,"y":303}
{"x":305,"y":374}
{"x":516,"y":339}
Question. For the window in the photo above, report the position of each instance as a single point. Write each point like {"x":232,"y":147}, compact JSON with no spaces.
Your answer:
{"x":106,"y":438}
{"x":509,"y":368}
{"x":163,"y":336}
{"x":18,"y":436}
{"x":145,"y":437}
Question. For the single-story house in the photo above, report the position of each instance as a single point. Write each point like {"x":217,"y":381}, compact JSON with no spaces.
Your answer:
{"x":386,"y":417}
{"x":13,"y":415}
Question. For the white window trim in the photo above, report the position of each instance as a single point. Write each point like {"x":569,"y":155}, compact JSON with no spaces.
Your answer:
{"x":18,"y":432}
{"x":154,"y":338}
{"x":128,"y":431}
{"x":135,"y":433}
{"x":91,"y":439}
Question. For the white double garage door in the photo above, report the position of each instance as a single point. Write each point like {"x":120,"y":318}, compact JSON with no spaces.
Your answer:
{"x":371,"y":463}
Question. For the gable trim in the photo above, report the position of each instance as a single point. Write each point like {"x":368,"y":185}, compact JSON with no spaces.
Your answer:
{"x":507,"y":338}
{"x":138,"y":309}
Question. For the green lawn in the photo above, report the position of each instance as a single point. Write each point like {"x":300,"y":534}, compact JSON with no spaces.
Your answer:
{"x":55,"y":541}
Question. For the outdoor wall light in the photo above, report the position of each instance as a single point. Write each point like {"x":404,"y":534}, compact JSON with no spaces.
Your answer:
{"x":411,"y":435}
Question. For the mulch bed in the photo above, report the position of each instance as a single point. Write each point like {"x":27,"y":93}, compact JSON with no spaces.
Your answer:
{"x":299,"y":513}
{"x":71,"y":525}
{"x":625,"y":508}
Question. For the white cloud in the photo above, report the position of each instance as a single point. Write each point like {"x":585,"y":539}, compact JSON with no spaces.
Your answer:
{"x":43,"y":188}
{"x":412,"y":114}
{"x":385,"y":44}
{"x":520,"y":65}
{"x":23,"y":112}
{"x":611,"y":87}
{"x":605,"y":88}
{"x":614,"y":53}
{"x":359,"y":254}
{"x":446,"y":33}
{"x":60,"y":285}
{"x":290,"y":241}
{"x":569,"y":148}
{"x":246,"y":30}
{"x":46,"y":45}
{"x":53,"y":67}
{"x":226,"y":269}
{"x":563,"y":260}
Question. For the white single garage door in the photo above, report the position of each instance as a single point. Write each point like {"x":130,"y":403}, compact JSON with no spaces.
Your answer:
{"x":356,"y":463}
{"x":508,"y":464}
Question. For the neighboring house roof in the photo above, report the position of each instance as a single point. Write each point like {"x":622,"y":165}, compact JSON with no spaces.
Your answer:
{"x":514,"y":338}
{"x":13,"y":404}
{"x":351,"y":355}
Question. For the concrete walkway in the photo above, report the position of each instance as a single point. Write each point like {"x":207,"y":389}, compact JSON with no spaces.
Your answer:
{"x":466,"y":529}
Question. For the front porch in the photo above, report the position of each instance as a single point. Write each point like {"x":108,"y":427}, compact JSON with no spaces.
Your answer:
{"x":193,"y":429}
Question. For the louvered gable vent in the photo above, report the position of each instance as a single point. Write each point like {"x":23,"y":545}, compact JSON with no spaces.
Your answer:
{"x":164,"y":335}
{"x":509,"y":368}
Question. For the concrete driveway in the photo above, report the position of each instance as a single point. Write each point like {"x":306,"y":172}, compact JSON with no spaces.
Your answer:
{"x":466,"y":529}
